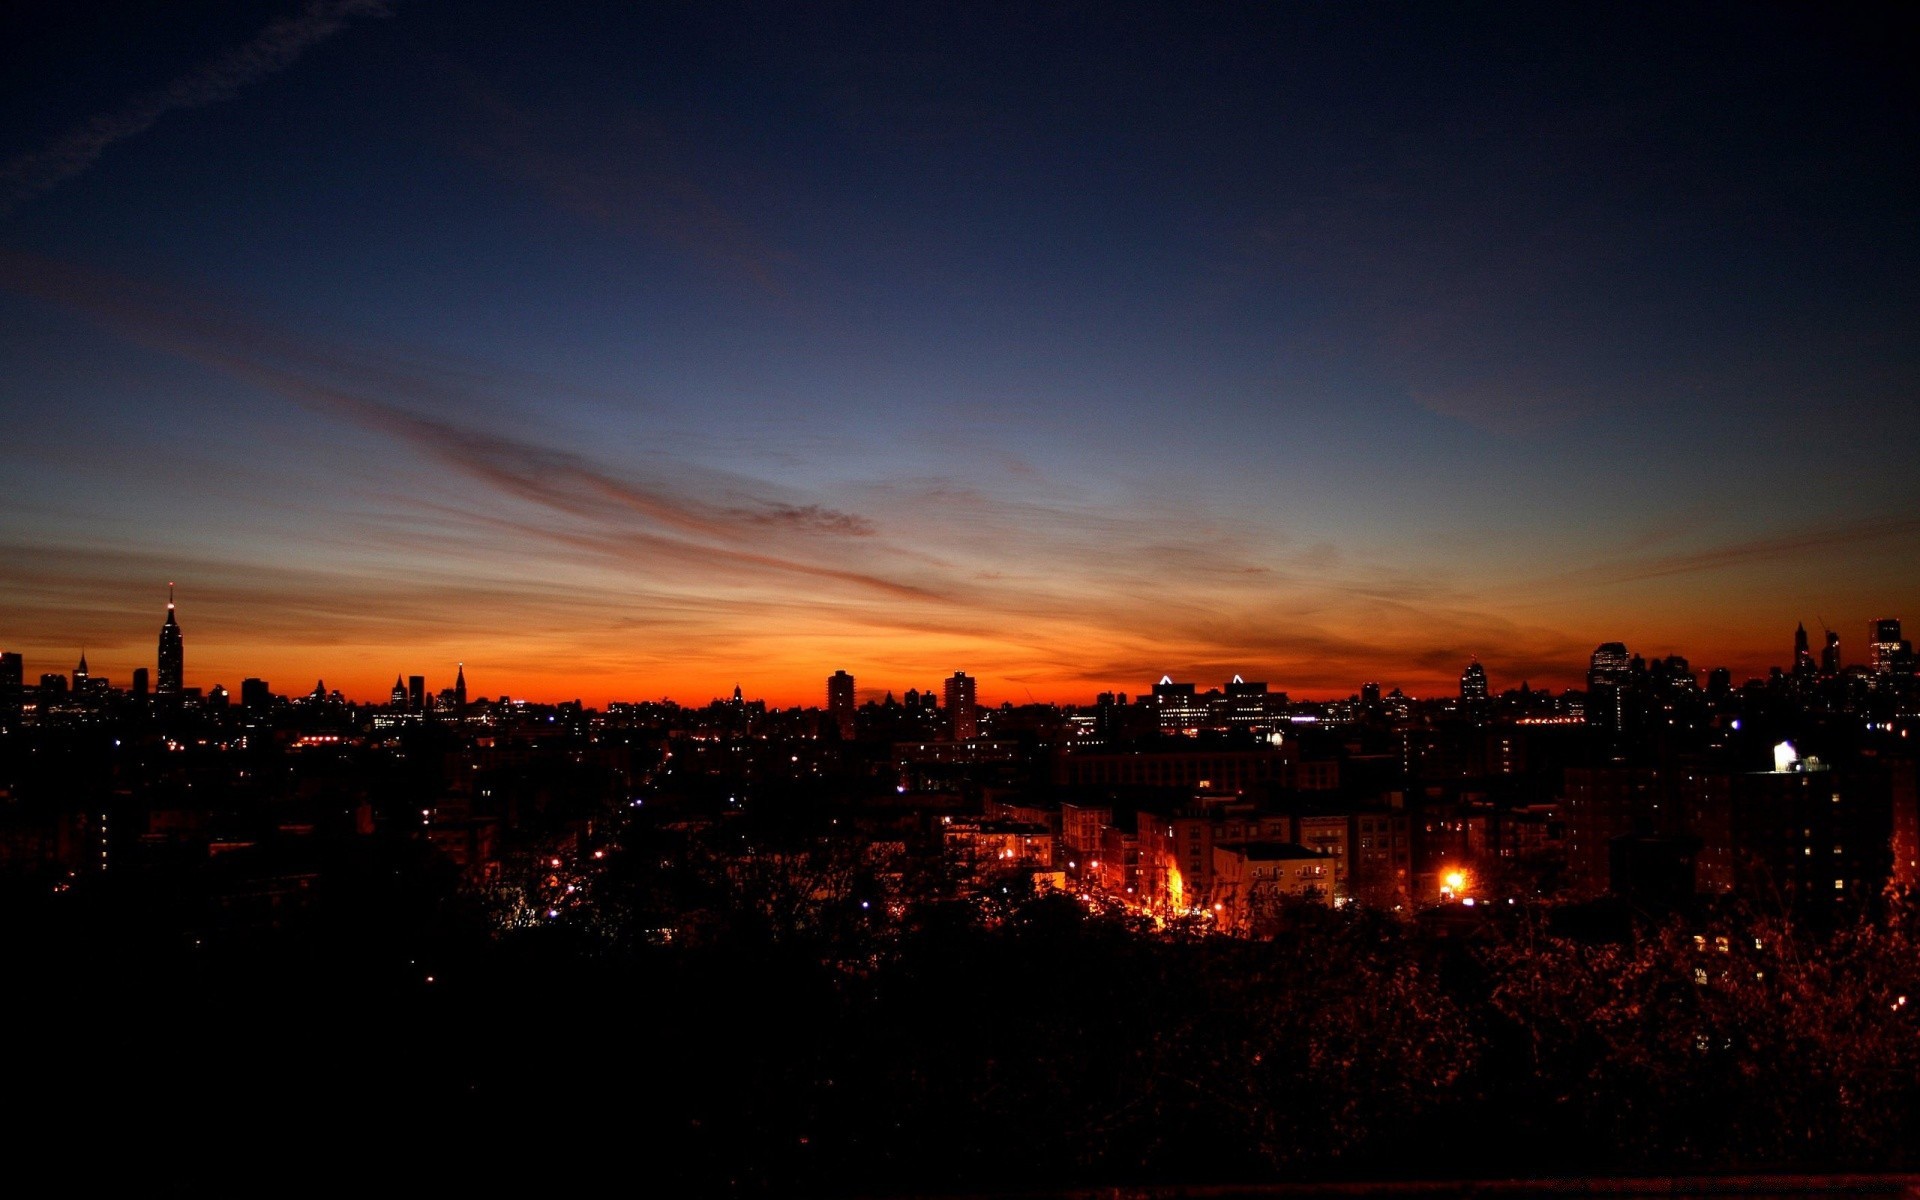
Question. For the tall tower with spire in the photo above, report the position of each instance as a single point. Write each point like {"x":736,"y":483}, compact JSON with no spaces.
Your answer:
{"x":80,"y":673}
{"x":172,"y":654}
{"x":460,"y":689}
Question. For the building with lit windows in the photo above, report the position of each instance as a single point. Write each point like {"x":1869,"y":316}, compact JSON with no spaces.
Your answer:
{"x":1179,"y":709}
{"x":1252,"y":881}
{"x":963,"y":712}
{"x":1891,"y":653}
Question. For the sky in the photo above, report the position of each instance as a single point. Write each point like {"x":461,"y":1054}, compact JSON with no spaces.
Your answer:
{"x":628,"y":352}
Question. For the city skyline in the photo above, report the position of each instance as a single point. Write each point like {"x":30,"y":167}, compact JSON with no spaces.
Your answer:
{"x":1880,"y":635}
{"x":646,"y":352}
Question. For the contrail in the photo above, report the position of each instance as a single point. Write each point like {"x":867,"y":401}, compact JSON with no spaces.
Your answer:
{"x":277,"y":47}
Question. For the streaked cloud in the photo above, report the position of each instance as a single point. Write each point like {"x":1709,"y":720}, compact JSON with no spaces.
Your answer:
{"x":277,"y":47}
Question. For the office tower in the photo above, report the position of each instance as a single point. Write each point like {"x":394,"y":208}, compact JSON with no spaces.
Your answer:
{"x":1609,"y":682}
{"x":1179,"y":709}
{"x":960,"y":707}
{"x":172,"y":653}
{"x":1887,"y":647}
{"x":255,"y":695}
{"x":1830,"y":655}
{"x":1610,"y":664}
{"x":140,"y":687}
{"x":12,"y":679}
{"x":460,"y":689}
{"x":1248,"y":703}
{"x":417,"y":693}
{"x":399,"y":697}
{"x":1803,"y":665}
{"x":840,"y":703}
{"x":53,"y":688}
{"x":80,"y":674}
{"x":217,"y":698}
{"x":1473,"y":683}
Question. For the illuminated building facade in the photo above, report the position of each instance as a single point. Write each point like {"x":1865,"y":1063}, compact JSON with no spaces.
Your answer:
{"x":1253,"y":880}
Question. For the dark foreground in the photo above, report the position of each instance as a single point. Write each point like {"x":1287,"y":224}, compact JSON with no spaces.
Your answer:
{"x":1025,"y":1049}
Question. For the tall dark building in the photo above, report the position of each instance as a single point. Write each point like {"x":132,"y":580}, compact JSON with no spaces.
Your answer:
{"x":417,"y":693}
{"x":81,"y":674}
{"x":1803,"y":664}
{"x":172,"y":677}
{"x":1473,"y":684}
{"x":1609,"y":685}
{"x":460,"y":689}
{"x":140,"y":688}
{"x":12,"y":678}
{"x":1830,"y":655}
{"x":399,"y":698}
{"x":1890,"y":651}
{"x":840,"y":703}
{"x":961,"y":709}
{"x":255,"y":695}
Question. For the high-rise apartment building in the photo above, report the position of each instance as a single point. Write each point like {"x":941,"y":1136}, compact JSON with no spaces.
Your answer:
{"x":961,"y":705}
{"x":840,"y":703}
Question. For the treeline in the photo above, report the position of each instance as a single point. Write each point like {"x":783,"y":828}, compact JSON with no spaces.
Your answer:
{"x":1026,"y":1045}
{"x":1038,"y":1045}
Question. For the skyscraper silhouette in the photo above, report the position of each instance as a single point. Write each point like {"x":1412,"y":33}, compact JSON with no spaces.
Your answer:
{"x":840,"y":703}
{"x":172,"y":674}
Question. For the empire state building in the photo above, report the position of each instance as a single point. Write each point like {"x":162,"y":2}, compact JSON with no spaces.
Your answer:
{"x":172,"y":653}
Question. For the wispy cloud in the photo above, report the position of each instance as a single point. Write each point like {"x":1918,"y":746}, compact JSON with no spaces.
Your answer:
{"x":1029,"y":581}
{"x":277,"y":47}
{"x":623,"y":171}
{"x":1821,"y":539}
